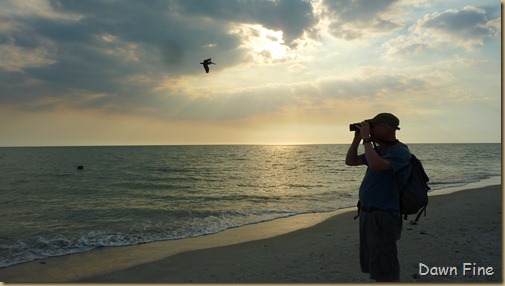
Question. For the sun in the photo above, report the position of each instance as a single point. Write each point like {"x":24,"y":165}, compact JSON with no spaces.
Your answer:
{"x":264,"y":45}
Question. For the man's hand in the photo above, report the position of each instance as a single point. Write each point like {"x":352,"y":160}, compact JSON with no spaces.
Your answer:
{"x":364,"y":129}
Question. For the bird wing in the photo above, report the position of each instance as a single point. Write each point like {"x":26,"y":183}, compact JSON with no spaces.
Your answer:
{"x":206,"y":67}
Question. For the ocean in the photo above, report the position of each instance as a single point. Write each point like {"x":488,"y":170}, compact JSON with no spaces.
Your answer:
{"x":137,"y":194}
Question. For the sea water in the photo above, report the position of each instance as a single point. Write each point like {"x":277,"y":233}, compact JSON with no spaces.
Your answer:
{"x":137,"y":194}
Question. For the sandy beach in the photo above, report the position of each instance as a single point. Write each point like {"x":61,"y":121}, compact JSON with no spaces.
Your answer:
{"x":460,"y":240}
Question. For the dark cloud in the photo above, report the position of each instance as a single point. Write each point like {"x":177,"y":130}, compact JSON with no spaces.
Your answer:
{"x":96,"y":53}
{"x":449,"y":30}
{"x":291,"y":17}
{"x":469,"y":25}
{"x":355,"y":19}
{"x":97,"y":47}
{"x":181,"y":30}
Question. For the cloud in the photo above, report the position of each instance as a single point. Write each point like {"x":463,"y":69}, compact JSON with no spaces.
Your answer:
{"x":277,"y":60}
{"x":468,"y":26}
{"x":113,"y":54}
{"x":323,"y":97}
{"x":453,"y":28}
{"x":357,"y":19}
{"x":293,"y":18}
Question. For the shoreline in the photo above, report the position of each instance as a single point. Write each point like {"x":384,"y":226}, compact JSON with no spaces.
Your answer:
{"x":488,"y":182}
{"x":65,"y":268}
{"x":315,"y":217}
{"x":301,"y":248}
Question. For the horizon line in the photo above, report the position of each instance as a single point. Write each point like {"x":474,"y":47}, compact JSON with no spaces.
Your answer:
{"x":223,"y":144}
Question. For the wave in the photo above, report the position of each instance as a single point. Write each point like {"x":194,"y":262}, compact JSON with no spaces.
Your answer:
{"x":193,"y":225}
{"x":164,"y":193}
{"x":481,"y":180}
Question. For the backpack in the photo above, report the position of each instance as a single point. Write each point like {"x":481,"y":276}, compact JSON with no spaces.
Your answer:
{"x":414,"y":195}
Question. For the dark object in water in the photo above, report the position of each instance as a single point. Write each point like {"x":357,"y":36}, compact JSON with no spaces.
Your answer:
{"x":80,"y":167}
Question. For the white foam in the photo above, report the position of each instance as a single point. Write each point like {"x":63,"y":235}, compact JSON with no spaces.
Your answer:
{"x":480,"y":184}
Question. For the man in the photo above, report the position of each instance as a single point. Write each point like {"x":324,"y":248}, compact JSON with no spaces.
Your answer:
{"x":379,"y":203}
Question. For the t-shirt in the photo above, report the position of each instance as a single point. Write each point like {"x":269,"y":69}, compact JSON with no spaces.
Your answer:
{"x":378,"y":189}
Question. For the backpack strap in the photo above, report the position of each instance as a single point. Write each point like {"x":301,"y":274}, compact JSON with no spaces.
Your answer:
{"x":359,"y":209}
{"x":399,"y":184}
{"x":423,"y":210}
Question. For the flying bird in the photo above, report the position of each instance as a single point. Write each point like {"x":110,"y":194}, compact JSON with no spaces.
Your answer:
{"x":206,"y":64}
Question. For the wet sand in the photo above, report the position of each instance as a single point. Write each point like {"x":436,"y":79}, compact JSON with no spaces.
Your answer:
{"x":462,"y":232}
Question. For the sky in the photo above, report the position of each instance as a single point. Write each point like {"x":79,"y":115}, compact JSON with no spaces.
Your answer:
{"x":118,"y":72}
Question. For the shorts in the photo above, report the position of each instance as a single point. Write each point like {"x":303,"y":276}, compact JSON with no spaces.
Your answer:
{"x":379,"y":231}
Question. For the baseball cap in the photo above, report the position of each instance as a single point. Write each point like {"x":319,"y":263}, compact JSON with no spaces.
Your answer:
{"x":386,"y":118}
